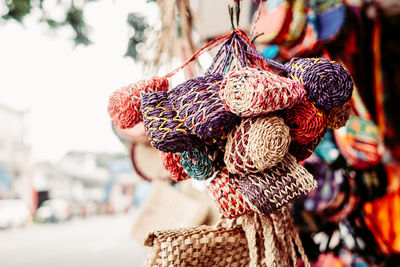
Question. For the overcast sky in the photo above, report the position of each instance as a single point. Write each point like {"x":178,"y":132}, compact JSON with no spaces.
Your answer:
{"x":67,"y":89}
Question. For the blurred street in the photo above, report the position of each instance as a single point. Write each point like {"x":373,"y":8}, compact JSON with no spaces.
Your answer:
{"x":97,"y":241}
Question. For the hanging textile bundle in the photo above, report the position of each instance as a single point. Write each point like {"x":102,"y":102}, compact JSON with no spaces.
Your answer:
{"x":256,"y":144}
{"x":124,"y":103}
{"x":197,"y":164}
{"x":306,"y":122}
{"x":223,"y":190}
{"x":338,"y":117}
{"x":254,"y":176}
{"x":164,"y":128}
{"x":271,"y":189}
{"x":198,"y":104}
{"x":327,"y":83}
{"x":172,"y":163}
{"x":250,"y":92}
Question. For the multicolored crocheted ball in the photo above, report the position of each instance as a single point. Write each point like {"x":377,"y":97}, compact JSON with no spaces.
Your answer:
{"x":306,"y":122}
{"x":124,"y":103}
{"x":223,"y":190}
{"x":198,"y":104}
{"x":250,"y":92}
{"x":256,"y":144}
{"x":165,"y":130}
{"x":197,"y":163}
{"x":327,"y":83}
{"x":172,"y":163}
{"x":274,"y":188}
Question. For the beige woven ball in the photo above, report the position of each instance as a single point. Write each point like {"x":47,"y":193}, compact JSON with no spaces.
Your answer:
{"x":256,"y":144}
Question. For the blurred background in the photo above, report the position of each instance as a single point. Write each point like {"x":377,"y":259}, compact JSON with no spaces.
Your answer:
{"x":76,"y":191}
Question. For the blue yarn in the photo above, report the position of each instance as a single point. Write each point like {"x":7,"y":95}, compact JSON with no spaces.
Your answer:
{"x":196,"y":163}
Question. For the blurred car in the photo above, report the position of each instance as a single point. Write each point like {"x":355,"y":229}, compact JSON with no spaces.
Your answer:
{"x":54,"y":210}
{"x":13,"y":213}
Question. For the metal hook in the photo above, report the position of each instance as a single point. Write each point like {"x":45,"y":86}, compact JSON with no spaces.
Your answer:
{"x":237,"y":12}
{"x":230,"y":10}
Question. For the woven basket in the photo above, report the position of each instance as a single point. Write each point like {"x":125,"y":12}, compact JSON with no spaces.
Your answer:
{"x":198,"y":246}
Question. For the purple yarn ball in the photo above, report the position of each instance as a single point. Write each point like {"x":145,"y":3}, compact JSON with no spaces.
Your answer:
{"x":164,"y":128}
{"x":328,"y":84}
{"x":199,"y":105}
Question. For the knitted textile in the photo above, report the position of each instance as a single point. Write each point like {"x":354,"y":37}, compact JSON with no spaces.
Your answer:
{"x":250,"y":92}
{"x":164,"y":128}
{"x":172,"y":163}
{"x":124,"y":103}
{"x":306,"y":122}
{"x":256,"y":144}
{"x":223,"y":190}
{"x":338,"y":117}
{"x":198,"y":104}
{"x":196,"y":163}
{"x":327,"y":83}
{"x":271,"y":189}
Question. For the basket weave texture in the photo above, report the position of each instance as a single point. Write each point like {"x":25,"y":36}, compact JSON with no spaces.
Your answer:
{"x":198,"y":246}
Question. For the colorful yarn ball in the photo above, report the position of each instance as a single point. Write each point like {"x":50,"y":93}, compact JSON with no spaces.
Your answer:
{"x":256,"y":144}
{"x":250,"y":92}
{"x":274,"y":188}
{"x":197,"y":164}
{"x":223,"y":190}
{"x":306,"y":122}
{"x":198,"y":104}
{"x":338,"y":117}
{"x":124,"y":103}
{"x":172,"y":163}
{"x":327,"y":83}
{"x":165,"y":130}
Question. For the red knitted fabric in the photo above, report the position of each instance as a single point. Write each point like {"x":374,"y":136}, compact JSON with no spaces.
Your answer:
{"x":172,"y":163}
{"x":124,"y":103}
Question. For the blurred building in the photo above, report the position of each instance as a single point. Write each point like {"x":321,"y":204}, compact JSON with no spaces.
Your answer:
{"x":14,"y":155}
{"x":90,"y":182}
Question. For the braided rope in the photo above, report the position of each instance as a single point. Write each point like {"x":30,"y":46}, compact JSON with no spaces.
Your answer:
{"x":124,"y":103}
{"x":256,"y":144}
{"x":172,"y":163}
{"x":198,"y":104}
{"x":250,"y":92}
{"x":250,"y":230}
{"x":306,"y":122}
{"x":271,"y":189}
{"x":197,"y":163}
{"x":223,"y":190}
{"x":327,"y":83}
{"x":338,"y":117}
{"x":165,"y":130}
